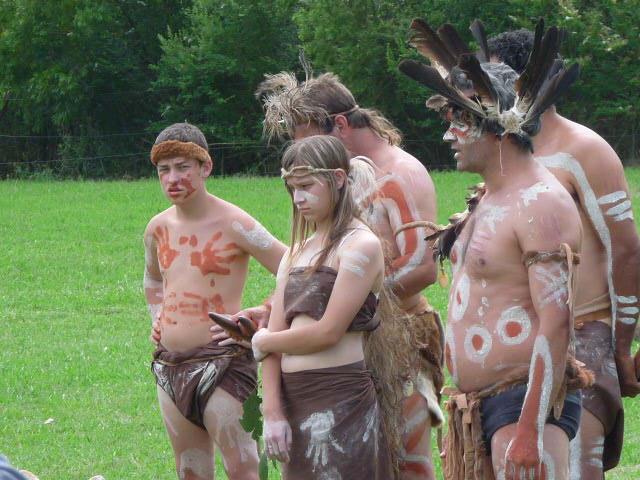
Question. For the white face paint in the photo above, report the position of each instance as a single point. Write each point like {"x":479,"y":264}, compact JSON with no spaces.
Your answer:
{"x":462,"y":133}
{"x":514,"y":326}
{"x":494,"y":214}
{"x":258,"y":236}
{"x":197,"y":461}
{"x":477,"y":343}
{"x":319,"y":425}
{"x":554,"y":278}
{"x":530,"y":194}
{"x":541,"y":349}
{"x":308,"y":196}
{"x":460,"y":299}
{"x":565,"y":161}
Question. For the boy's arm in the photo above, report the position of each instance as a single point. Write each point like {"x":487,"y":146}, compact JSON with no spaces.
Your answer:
{"x":152,"y":280}
{"x":254,"y":239}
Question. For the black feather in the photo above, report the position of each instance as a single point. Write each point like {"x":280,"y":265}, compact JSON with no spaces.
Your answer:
{"x":429,"y":44}
{"x":453,"y":41}
{"x":481,"y":81}
{"x":477,"y":29}
{"x":554,"y":89}
{"x":430,"y":78}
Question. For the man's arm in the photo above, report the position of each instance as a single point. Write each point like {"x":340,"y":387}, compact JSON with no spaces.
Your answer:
{"x":409,"y":196}
{"x":549,"y":269}
{"x":608,"y":205}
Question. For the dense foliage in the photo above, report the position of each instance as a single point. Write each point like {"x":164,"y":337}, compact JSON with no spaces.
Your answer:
{"x":87,"y":84}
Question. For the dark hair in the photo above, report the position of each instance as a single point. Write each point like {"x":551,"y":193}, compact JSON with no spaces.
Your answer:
{"x":183,"y":132}
{"x":512,"y":48}
{"x":503,"y":80}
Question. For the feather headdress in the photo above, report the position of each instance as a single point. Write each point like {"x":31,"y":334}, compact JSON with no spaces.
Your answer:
{"x":542,"y":82}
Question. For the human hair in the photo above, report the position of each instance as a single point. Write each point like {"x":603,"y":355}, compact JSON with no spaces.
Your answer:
{"x":512,"y":48}
{"x":324,"y":154}
{"x":183,"y":132}
{"x":502,"y":78}
{"x":317,"y":100}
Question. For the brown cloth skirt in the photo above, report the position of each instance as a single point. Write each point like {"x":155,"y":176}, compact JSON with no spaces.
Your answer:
{"x":335,"y":420}
{"x":190,"y":378}
{"x":603,"y":399}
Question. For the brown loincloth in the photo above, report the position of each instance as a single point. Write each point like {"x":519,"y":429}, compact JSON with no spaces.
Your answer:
{"x":428,"y":336}
{"x":603,"y":399}
{"x":466,"y":453}
{"x":336,"y":423}
{"x":190,"y":378}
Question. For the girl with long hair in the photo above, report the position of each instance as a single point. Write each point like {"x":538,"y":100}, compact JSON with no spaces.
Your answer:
{"x":323,"y":419}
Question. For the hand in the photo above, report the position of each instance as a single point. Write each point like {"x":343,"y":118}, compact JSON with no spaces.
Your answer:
{"x":257,"y":344}
{"x":228,"y":331}
{"x":628,"y":375}
{"x":258,"y":315}
{"x":522,"y":458}
{"x":155,"y":331}
{"x":277,"y":439}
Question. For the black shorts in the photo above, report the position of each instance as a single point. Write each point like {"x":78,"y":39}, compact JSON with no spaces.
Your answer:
{"x":505,"y":408}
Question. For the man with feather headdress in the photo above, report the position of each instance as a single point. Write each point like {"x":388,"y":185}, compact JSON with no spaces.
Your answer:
{"x":323,"y":105}
{"x":607,"y":280}
{"x":513,"y":254}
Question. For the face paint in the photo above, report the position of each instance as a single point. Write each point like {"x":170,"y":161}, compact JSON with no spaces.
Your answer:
{"x":309,"y":197}
{"x":195,"y":462}
{"x":186,"y":183}
{"x":210,"y":260}
{"x":530,"y":194}
{"x":463,"y":132}
{"x":554,"y":279}
{"x":494,"y":214}
{"x":514,"y":326}
{"x":460,"y":299}
{"x":319,"y":425}
{"x":258,"y":236}
{"x":477,"y":343}
{"x":541,"y":358}
{"x":566,"y":162}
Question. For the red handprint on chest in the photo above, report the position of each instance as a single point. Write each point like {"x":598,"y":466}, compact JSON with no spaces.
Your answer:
{"x":211,"y":260}
{"x":166,"y":254}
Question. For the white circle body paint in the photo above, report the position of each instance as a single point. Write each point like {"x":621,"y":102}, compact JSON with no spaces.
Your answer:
{"x":514,"y":326}
{"x":460,"y":299}
{"x":477,"y":343}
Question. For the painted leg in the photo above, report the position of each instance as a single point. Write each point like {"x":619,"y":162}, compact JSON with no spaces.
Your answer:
{"x":192,"y":446}
{"x":555,"y":455}
{"x":416,"y":463}
{"x":585,"y":457}
{"x":239,"y":451}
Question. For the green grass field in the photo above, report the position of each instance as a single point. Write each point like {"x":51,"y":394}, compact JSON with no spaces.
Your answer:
{"x":77,"y":398}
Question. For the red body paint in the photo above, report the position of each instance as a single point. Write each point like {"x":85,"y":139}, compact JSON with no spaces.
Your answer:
{"x":393,"y":191}
{"x":166,"y":254}
{"x":209,"y":260}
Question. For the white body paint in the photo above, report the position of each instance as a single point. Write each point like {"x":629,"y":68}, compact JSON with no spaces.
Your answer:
{"x":629,"y":310}
{"x":354,"y":269}
{"x":258,"y":236}
{"x":477,"y":355}
{"x":319,"y":425}
{"x":627,"y":299}
{"x":554,"y":279}
{"x":494,"y":214}
{"x":450,"y":341}
{"x":530,"y":194}
{"x":575,"y":457}
{"x":357,"y":260}
{"x":229,"y":430}
{"x":195,"y":460}
{"x":596,"y":453}
{"x":547,"y":461}
{"x":565,"y":161}
{"x":517,"y":315}
{"x":463,"y":289}
{"x":541,"y":349}
{"x":614,"y":197}
{"x":619,"y":212}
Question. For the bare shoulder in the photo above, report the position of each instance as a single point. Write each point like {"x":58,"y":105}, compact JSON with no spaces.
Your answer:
{"x":590,"y":150}
{"x":363,"y":241}
{"x":408,"y":167}
{"x":160,"y":219}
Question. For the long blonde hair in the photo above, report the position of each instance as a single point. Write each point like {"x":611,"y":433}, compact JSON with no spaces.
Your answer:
{"x":387,"y":348}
